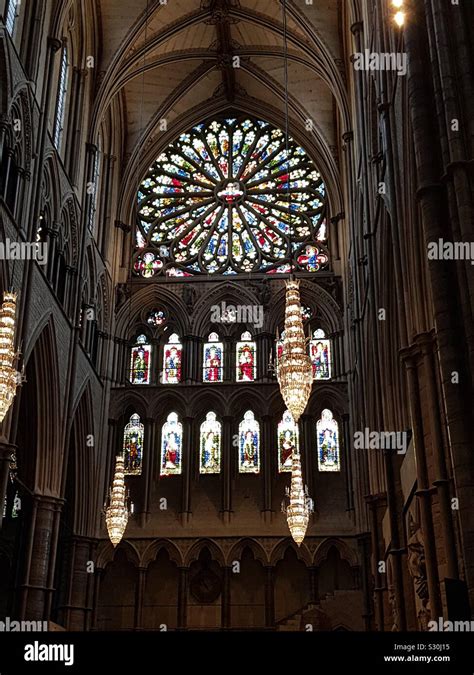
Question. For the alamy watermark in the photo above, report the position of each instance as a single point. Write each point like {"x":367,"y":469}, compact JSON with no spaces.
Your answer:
{"x":24,"y":250}
{"x":381,"y":440}
{"x":368,"y":60}
{"x":451,"y":250}
{"x":11,"y":626}
{"x":248,"y":314}
{"x":443,"y":626}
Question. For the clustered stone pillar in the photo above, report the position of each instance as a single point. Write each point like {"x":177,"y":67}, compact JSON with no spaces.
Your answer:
{"x":40,"y":558}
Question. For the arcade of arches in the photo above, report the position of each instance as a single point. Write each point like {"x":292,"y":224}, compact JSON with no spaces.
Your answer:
{"x":174,"y":161}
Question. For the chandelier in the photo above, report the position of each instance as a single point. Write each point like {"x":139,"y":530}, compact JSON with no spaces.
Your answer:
{"x":294,"y":372}
{"x":9,"y":376}
{"x":299,"y":505}
{"x":116,"y":514}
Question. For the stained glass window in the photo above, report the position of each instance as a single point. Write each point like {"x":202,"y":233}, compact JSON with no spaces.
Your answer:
{"x":11,"y":15}
{"x":306,"y":313}
{"x":279,"y":347}
{"x":328,"y":442}
{"x":249,"y":444}
{"x":156,"y":317}
{"x":61,"y":99}
{"x":133,"y":446}
{"x":171,"y":442}
{"x":213,"y":362}
{"x":140,"y":361}
{"x":288,"y":440}
{"x":246,"y":359}
{"x":320,"y":353}
{"x":216,"y":202}
{"x":172,"y":360}
{"x":210,"y":450}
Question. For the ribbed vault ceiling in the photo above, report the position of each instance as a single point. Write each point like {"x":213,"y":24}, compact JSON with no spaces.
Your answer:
{"x":172,"y":60}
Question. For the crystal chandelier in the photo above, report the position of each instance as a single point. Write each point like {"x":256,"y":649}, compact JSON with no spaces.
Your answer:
{"x":9,"y":376}
{"x":294,"y":372}
{"x":116,"y":515}
{"x":299,"y":505}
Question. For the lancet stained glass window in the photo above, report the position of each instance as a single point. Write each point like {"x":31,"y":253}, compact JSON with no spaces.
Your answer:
{"x":288,"y":440}
{"x":246,"y":358}
{"x":328,"y":442}
{"x":133,"y":446}
{"x":249,"y":444}
{"x":320,"y":353}
{"x":172,"y":360}
{"x":213,"y":359}
{"x":140,"y":361}
{"x":210,"y":451}
{"x":171,"y":442}
{"x":216,"y":202}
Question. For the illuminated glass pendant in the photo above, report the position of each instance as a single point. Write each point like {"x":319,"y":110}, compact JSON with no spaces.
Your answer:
{"x":294,"y":371}
{"x":299,"y":505}
{"x":116,"y":515}
{"x":9,"y":376}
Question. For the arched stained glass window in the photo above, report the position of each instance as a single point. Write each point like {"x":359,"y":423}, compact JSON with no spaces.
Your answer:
{"x":328,"y":442}
{"x":171,"y":442}
{"x":279,"y":347}
{"x":249,"y":444}
{"x":320,"y":353}
{"x":61,"y":98}
{"x":246,"y":359}
{"x":213,"y":359}
{"x":172,"y":360}
{"x":133,"y":446}
{"x":210,"y":450}
{"x":216,"y":202}
{"x":140,"y":361}
{"x":288,"y":440}
{"x":12,"y":14}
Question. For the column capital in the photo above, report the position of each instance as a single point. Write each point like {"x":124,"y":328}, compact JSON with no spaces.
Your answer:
{"x":54,"y":44}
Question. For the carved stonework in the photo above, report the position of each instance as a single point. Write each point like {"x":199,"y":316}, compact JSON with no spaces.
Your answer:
{"x":417,"y":569}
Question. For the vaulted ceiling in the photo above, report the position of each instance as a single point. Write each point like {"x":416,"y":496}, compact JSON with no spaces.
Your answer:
{"x":183,"y":60}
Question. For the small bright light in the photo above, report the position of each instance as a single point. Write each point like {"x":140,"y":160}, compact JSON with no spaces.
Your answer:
{"x":399,"y":18}
{"x":397,"y":3}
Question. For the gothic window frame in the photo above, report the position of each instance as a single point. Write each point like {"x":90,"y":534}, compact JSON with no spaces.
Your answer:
{"x":244,"y":429}
{"x":60,"y":109}
{"x":318,"y":336}
{"x":189,"y":210}
{"x":213,"y":342}
{"x":147,"y":348}
{"x":246,"y":340}
{"x":134,"y":424}
{"x":327,"y":414}
{"x":11,"y":16}
{"x":173,"y":341}
{"x":211,"y":424}
{"x":284,"y":466}
{"x":172,"y":425}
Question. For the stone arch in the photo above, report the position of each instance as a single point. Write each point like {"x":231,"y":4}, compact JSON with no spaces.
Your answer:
{"x":152,"y":550}
{"x":216,"y":552}
{"x":343,"y":549}
{"x":236,"y":551}
{"x":230,"y":292}
{"x":106,"y":553}
{"x":278,"y":552}
{"x":49,"y":406}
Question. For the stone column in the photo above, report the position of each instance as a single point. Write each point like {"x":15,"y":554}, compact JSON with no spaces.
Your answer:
{"x":270,"y":597}
{"x":76,"y":609}
{"x":139,"y":597}
{"x":39,"y":560}
{"x":264,"y":342}
{"x":149,"y":453}
{"x":423,"y":492}
{"x":267,"y":465}
{"x":226,"y":470}
{"x":307,"y":449}
{"x":225,"y":607}
{"x":6,"y":452}
{"x":183,"y":597}
{"x":187,"y":467}
{"x":99,"y":573}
